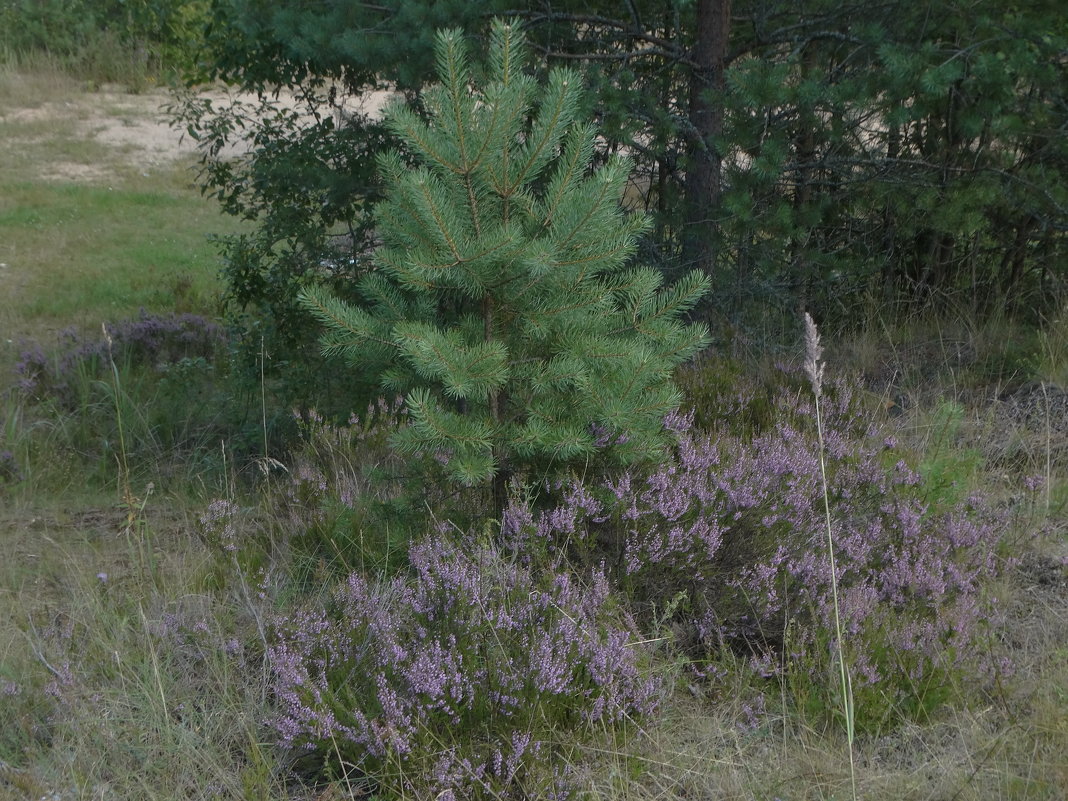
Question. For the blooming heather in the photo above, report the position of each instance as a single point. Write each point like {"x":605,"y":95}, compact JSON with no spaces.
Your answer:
{"x":218,"y":525}
{"x":737,"y":523}
{"x":148,"y":340}
{"x":453,"y":679}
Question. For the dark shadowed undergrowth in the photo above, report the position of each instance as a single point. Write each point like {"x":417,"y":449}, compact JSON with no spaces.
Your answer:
{"x":151,"y":393}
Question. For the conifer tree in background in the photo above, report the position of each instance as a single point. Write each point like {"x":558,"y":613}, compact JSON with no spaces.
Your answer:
{"x":502,"y":304}
{"x":820,"y":153}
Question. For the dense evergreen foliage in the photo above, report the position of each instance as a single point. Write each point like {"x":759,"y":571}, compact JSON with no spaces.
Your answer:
{"x":114,"y":40}
{"x":501,"y":302}
{"x":910,"y":150}
{"x":819,"y":154}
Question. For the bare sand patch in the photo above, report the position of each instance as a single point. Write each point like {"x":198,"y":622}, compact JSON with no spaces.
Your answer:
{"x":135,"y":127}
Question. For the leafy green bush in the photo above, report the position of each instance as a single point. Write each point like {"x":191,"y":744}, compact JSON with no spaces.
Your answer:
{"x":124,"y":41}
{"x":307,"y":181}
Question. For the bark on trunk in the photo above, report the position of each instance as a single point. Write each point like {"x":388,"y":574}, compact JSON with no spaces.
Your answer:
{"x":703,"y":175}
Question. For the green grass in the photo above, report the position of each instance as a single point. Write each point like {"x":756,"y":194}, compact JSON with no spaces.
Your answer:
{"x":90,"y":253}
{"x":92,"y":231}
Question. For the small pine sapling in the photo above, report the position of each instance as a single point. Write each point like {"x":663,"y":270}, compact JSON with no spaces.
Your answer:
{"x":502,"y":303}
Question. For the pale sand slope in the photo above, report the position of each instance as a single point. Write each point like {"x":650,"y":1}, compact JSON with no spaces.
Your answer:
{"x":134,"y":126}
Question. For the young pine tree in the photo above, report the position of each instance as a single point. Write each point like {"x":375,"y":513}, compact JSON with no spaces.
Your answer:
{"x":502,"y":305}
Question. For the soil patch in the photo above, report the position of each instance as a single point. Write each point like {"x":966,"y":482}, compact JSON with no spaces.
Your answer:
{"x":136,"y":128}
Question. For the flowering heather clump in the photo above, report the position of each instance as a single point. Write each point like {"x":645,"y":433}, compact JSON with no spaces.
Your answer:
{"x":149,"y":340}
{"x":218,"y":525}
{"x":738,"y":524}
{"x":457,"y":678}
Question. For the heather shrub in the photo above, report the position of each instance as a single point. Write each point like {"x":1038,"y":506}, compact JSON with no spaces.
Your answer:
{"x":332,"y":504}
{"x":219,"y":527}
{"x":723,"y":392}
{"x":459,"y":679}
{"x":150,"y":341}
{"x":734,"y":524}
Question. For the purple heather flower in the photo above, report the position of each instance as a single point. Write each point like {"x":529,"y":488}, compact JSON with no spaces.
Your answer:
{"x":401,"y":660}
{"x":737,"y":523}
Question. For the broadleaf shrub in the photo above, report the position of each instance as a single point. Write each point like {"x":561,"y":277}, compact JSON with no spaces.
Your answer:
{"x":456,"y":680}
{"x":306,"y":180}
{"x":735,"y":522}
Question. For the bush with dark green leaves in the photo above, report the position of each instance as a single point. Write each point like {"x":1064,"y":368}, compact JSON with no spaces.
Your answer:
{"x":107,"y":40}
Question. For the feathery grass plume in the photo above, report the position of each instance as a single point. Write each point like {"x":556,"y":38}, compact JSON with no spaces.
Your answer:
{"x":814,"y":369}
{"x":813,"y":356}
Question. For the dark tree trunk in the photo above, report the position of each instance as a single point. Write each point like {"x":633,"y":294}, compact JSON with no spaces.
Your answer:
{"x":703,"y":174}
{"x":803,"y":271}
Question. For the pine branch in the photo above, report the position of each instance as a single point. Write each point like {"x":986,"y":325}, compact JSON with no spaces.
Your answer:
{"x":577,"y":154}
{"x":408,"y":127}
{"x":343,"y":319}
{"x":594,"y":205}
{"x":672,"y":302}
{"x":452,"y":63}
{"x":506,"y":49}
{"x":547,"y":133}
{"x":464,"y":371}
{"x":439,"y":428}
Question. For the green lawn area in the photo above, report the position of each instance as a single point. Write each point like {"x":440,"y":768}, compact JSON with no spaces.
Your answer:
{"x":92,"y":228}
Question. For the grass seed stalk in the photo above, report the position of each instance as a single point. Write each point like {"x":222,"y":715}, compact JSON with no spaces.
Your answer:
{"x":814,"y":369}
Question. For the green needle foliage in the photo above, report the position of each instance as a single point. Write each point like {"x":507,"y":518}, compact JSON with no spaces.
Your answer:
{"x":502,"y":302}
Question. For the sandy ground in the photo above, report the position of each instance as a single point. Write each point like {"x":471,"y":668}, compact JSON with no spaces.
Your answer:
{"x":135,"y":126}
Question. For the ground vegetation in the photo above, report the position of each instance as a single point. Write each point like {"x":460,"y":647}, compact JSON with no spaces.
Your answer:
{"x":842,"y":575}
